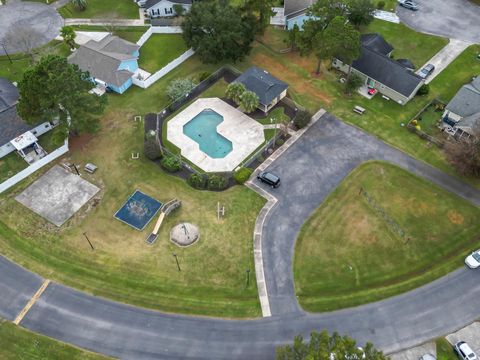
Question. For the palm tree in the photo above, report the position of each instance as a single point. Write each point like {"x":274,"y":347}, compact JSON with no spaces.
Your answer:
{"x":79,"y":4}
{"x":249,"y":101}
{"x":68,"y":34}
{"x":234,"y":92}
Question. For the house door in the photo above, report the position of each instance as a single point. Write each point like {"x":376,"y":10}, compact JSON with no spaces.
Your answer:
{"x":370,"y":82}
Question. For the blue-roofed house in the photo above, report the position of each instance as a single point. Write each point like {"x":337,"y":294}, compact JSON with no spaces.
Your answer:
{"x":111,"y":62}
{"x":268,"y":88}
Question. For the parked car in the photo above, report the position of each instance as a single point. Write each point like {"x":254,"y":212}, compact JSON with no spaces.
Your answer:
{"x":428,"y":357}
{"x":473,"y":260}
{"x":464,"y":351}
{"x":408,"y":4}
{"x":426,"y":71}
{"x":269,"y":178}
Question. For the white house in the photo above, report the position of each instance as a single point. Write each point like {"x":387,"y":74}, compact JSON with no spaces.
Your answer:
{"x":16,"y":134}
{"x":163,"y":8}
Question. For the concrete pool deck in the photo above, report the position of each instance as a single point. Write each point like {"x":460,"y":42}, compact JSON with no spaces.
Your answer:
{"x":245,"y":134}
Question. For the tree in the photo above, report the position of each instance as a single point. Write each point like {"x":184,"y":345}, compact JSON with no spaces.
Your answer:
{"x":360,"y":12}
{"x":464,"y":156}
{"x":217,"y":31}
{"x":179,"y":10}
{"x":346,"y":39}
{"x":79,"y":4}
{"x":322,"y":346}
{"x":249,"y":101}
{"x":352,"y":84}
{"x":234,"y":91}
{"x":69,"y":35}
{"x":293,"y":37}
{"x":55,"y":89}
{"x":264,"y":10}
{"x":179,"y":88}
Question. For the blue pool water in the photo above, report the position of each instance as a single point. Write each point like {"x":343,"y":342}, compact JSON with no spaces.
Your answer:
{"x":203,"y":129}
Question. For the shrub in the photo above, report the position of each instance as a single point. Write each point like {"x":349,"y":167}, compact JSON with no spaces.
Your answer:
{"x":354,"y":81}
{"x":79,"y":4}
{"x":179,"y":88}
{"x":216,"y":182}
{"x":381,"y":5}
{"x":234,"y":92}
{"x":151,"y":149}
{"x":179,"y":10}
{"x":424,"y":90}
{"x":242,"y":175}
{"x":197,"y":181}
{"x":204,"y":75}
{"x":279,"y":142}
{"x":171,"y":163}
{"x":302,"y":119}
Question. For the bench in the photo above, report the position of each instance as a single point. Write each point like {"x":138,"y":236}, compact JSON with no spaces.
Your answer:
{"x":359,"y":110}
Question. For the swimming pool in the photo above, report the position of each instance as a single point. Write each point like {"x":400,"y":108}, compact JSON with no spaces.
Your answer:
{"x":203,"y":130}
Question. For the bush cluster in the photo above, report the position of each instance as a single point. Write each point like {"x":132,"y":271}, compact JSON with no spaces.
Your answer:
{"x":381,"y":5}
{"x":171,"y":163}
{"x":242,"y":175}
{"x":216,"y":182}
{"x":302,"y":119}
{"x":197,"y":181}
{"x":424,"y":90}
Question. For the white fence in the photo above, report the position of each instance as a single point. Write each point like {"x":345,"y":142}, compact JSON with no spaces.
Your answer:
{"x":163,"y":71}
{"x":7,"y":184}
{"x":158,"y":30}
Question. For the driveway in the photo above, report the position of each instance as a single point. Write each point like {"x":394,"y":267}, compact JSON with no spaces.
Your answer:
{"x":27,"y":24}
{"x":455,"y":19}
{"x":327,"y":152}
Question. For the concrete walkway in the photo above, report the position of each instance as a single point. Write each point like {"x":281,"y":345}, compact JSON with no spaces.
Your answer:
{"x":445,"y":56}
{"x":105,"y":22}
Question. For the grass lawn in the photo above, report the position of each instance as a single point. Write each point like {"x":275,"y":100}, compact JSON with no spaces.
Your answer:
{"x":103,"y":9}
{"x":10,"y":165}
{"x":385,"y":119}
{"x":428,"y":121}
{"x":347,"y":254}
{"x":19,"y":343}
{"x":159,"y":50}
{"x":123,"y":267}
{"x":445,"y":350}
{"x":408,"y":43}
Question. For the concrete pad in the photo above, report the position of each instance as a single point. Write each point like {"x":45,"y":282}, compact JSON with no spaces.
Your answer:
{"x":469,"y":334}
{"x":245,"y":134}
{"x":57,"y":195}
{"x":416,"y":352}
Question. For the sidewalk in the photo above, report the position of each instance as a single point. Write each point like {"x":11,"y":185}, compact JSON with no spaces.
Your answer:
{"x":445,"y":56}
{"x":105,"y":22}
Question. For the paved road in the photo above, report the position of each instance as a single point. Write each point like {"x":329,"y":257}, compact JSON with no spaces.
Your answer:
{"x":455,"y":19}
{"x":328,"y":151}
{"x":310,"y":170}
{"x":25,"y":24}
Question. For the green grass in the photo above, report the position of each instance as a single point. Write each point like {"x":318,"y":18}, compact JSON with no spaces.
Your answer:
{"x":347,"y":254}
{"x":407,"y":43}
{"x":159,"y":50}
{"x":445,"y":350}
{"x":10,"y":165}
{"x":103,"y":9}
{"x":19,"y":343}
{"x":428,"y":121}
{"x":123,"y":267}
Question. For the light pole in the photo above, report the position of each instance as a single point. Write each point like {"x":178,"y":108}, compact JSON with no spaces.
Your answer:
{"x":273,"y":121}
{"x":6,"y":53}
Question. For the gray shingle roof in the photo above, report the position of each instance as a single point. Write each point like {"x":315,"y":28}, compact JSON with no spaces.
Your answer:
{"x":11,"y":125}
{"x":262,"y":83}
{"x":102,"y":59}
{"x":467,"y":100}
{"x":150,"y":3}
{"x":406,"y":63}
{"x":8,"y":94}
{"x":377,"y":43}
{"x":292,"y":8}
{"x":386,"y":71}
{"x":470,"y":124}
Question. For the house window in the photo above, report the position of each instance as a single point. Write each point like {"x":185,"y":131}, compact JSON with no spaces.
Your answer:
{"x":169,"y":11}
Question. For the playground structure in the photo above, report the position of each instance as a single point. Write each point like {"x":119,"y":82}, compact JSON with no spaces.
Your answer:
{"x":184,"y":234}
{"x":165,"y":210}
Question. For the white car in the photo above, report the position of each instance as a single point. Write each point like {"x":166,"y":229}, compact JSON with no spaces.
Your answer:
{"x":464,"y":351}
{"x":473,"y":260}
